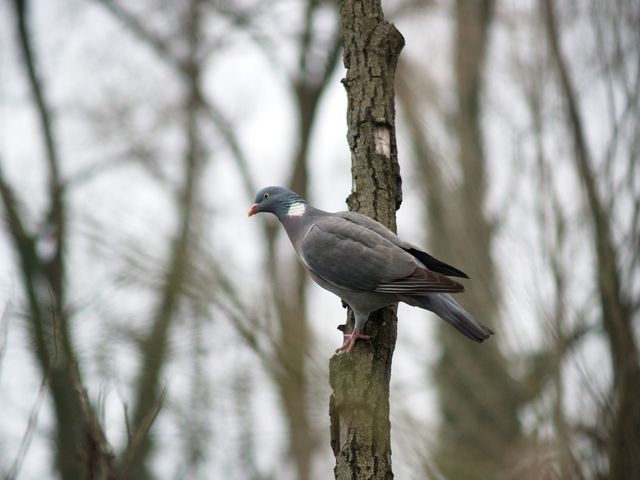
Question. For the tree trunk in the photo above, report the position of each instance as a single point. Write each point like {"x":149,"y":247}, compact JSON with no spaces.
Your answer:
{"x":359,"y":404}
{"x":81,"y":449}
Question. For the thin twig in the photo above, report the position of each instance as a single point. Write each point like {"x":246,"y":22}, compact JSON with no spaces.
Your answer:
{"x":31,"y":427}
{"x":35,"y":410}
{"x":141,"y":434}
{"x":4,"y":332}
{"x":138,"y":28}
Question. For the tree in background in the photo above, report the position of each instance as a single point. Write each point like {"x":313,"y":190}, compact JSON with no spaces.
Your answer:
{"x":483,"y":397}
{"x":286,"y":356}
{"x":479,"y":398}
{"x":41,"y":255}
{"x":155,"y":342}
{"x":620,"y":414}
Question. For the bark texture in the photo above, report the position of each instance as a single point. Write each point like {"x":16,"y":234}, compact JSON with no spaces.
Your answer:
{"x":359,"y":405}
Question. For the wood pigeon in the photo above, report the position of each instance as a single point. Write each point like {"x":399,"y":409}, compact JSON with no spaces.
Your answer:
{"x":366,"y":264}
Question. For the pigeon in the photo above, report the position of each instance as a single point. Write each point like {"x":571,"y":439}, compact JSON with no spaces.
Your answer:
{"x":367,"y":265}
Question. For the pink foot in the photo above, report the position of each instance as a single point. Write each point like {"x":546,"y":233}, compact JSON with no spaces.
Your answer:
{"x":350,"y":341}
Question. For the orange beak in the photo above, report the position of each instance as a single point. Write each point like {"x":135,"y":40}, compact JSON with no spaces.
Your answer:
{"x":253,"y":210}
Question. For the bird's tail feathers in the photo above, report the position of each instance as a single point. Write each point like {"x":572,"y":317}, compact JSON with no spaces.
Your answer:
{"x":448,"y":309}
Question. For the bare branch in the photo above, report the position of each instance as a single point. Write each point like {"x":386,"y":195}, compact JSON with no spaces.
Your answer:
{"x":4,"y":333}
{"x":141,"y":434}
{"x":24,"y":243}
{"x":35,"y":410}
{"x":163,"y":49}
{"x":30,"y":430}
{"x":160,"y":45}
{"x":226,"y":130}
{"x":56,"y":214}
{"x":623,"y":451}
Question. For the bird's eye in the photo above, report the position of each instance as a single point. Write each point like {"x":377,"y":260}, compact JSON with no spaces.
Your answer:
{"x":265,"y":196}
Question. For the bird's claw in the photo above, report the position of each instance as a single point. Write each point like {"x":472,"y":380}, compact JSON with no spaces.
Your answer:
{"x":350,"y":341}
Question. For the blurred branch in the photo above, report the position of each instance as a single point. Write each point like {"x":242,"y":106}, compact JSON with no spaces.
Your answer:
{"x":155,"y":345}
{"x":624,"y":444}
{"x":302,"y":79}
{"x":135,"y":442}
{"x":305,"y":40}
{"x":226,"y":130}
{"x":291,"y":352}
{"x":97,"y":454}
{"x":215,"y":115}
{"x":403,"y":8}
{"x":42,"y":275}
{"x":4,"y":333}
{"x":52,"y":268}
{"x":160,"y":45}
{"x":24,"y":243}
{"x":209,"y":284}
{"x":30,"y":430}
{"x":42,"y":107}
{"x":286,"y":363}
{"x":428,"y":169}
{"x":57,"y":211}
{"x":35,"y":410}
{"x":629,"y":113}
{"x":543,"y":365}
{"x":97,"y":168}
{"x":183,"y":67}
{"x":563,"y":341}
{"x":605,"y":249}
{"x":547,"y":364}
{"x":243,"y":18}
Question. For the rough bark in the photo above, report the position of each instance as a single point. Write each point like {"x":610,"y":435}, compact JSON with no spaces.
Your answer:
{"x":359,"y":405}
{"x":623,"y":444}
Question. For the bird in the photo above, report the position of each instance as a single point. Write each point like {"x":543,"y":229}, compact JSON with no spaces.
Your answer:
{"x":367,"y":265}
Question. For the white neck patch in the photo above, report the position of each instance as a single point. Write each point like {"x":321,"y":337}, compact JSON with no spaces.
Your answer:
{"x":296,"y":209}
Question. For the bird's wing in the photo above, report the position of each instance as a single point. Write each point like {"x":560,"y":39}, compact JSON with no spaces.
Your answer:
{"x":353,"y":257}
{"x":427,"y":260}
{"x":421,"y":282}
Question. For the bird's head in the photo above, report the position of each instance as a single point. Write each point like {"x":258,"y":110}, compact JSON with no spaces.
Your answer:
{"x":279,"y":201}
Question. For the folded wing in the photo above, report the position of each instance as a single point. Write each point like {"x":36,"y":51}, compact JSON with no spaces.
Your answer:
{"x":354,"y":257}
{"x":427,"y":260}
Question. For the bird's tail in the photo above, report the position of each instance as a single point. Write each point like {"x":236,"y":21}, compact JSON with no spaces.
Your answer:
{"x":448,"y":309}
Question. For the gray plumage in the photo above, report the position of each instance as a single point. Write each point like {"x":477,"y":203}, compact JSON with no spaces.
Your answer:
{"x":366,"y":264}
